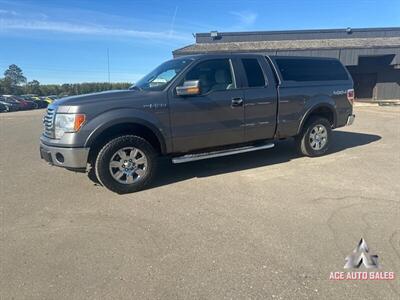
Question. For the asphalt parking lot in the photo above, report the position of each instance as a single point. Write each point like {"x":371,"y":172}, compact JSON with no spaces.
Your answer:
{"x":268,"y":224}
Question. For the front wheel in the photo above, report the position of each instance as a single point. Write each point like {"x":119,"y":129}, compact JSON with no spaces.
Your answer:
{"x":315,"y":137}
{"x":126,"y":164}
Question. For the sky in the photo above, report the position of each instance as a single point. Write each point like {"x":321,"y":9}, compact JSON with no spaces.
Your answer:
{"x":66,"y":41}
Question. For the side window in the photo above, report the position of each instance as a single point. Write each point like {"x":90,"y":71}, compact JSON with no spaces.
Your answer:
{"x":298,"y":69}
{"x":214,"y":75}
{"x":254,"y":73}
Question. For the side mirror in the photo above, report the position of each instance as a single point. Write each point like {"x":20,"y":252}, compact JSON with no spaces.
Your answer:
{"x":189,"y":88}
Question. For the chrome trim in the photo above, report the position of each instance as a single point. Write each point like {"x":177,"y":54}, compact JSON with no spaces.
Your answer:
{"x":73,"y":157}
{"x":128,"y":168}
{"x":200,"y":156}
{"x":48,"y":122}
{"x":318,"y":137}
{"x":350,"y":120}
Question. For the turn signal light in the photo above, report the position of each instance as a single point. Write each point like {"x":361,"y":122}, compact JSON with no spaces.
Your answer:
{"x":79,"y":120}
{"x":193,"y":90}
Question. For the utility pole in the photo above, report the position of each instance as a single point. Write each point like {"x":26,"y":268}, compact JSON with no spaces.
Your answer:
{"x":108,"y":65}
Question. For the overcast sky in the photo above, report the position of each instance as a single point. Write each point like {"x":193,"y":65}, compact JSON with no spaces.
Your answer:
{"x":67,"y":40}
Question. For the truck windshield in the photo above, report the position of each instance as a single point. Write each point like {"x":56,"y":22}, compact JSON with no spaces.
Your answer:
{"x":157,"y":79}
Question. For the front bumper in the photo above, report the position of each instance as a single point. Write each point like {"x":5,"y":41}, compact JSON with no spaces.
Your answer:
{"x":72,"y":158}
{"x":350,"y":120}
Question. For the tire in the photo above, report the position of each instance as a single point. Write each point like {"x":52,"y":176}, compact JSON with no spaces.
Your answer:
{"x":315,"y":137}
{"x":126,"y":164}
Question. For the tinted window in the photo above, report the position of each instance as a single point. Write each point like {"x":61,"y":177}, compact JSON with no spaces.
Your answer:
{"x":214,"y":75}
{"x":254,"y":73}
{"x":311,"y":69}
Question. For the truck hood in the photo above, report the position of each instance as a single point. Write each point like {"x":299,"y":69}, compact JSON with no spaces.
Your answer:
{"x":107,"y":96}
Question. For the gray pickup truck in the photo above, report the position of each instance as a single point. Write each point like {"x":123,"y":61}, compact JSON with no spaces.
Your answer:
{"x":198,"y":107}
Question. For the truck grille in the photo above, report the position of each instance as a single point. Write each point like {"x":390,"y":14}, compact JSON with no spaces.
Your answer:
{"x":48,"y":121}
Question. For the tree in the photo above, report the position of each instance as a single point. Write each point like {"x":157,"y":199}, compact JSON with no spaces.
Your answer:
{"x":6,"y":86}
{"x":13,"y":83}
{"x":33,"y":87}
{"x":14,"y":73}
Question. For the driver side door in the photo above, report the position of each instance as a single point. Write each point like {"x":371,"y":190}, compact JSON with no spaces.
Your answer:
{"x":213,"y":118}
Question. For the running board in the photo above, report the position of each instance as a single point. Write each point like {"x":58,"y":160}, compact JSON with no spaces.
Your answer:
{"x":200,"y":156}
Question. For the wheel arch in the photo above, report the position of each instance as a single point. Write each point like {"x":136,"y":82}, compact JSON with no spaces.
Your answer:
{"x":142,"y":128}
{"x":326,"y":110}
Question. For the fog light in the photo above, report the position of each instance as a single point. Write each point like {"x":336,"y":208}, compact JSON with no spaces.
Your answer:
{"x":59,"y":158}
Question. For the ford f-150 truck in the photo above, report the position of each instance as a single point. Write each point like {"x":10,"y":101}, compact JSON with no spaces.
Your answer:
{"x":198,"y":107}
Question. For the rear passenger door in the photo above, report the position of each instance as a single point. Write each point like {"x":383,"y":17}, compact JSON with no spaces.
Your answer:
{"x":260,"y":98}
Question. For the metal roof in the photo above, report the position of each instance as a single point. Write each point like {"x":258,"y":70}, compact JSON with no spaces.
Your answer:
{"x":298,"y":35}
{"x":314,"y":44}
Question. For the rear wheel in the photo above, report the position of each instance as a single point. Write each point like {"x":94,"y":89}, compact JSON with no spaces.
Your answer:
{"x":315,"y":137}
{"x":126,"y":164}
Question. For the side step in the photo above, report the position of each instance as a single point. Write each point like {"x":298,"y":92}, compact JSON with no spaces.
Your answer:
{"x":200,"y":156}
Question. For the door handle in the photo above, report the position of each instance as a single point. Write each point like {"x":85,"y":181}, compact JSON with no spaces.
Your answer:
{"x":237,"y":102}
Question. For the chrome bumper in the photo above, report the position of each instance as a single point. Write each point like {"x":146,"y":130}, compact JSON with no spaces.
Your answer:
{"x":74,"y":158}
{"x":350,"y":120}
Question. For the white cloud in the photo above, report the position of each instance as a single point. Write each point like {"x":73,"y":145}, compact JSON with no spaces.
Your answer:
{"x":245,"y":18}
{"x":8,"y":12}
{"x":88,"y":29}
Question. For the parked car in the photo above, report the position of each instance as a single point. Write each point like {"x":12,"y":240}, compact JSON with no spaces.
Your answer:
{"x":3,"y":107}
{"x":24,"y":104}
{"x":40,"y":103}
{"x":10,"y":99}
{"x":49,"y":99}
{"x":9,"y":106}
{"x":205,"y":106}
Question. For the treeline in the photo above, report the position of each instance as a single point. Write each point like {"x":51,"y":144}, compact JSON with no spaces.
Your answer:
{"x":69,"y":89}
{"x":15,"y":83}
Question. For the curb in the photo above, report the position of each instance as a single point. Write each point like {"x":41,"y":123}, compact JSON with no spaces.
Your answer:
{"x":389,"y":103}
{"x":377,"y":103}
{"x":364,"y":104}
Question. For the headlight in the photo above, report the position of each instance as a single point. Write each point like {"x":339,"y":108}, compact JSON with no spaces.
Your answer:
{"x":67,"y":123}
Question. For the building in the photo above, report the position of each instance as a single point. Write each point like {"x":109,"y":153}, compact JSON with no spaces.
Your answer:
{"x":372,"y":55}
